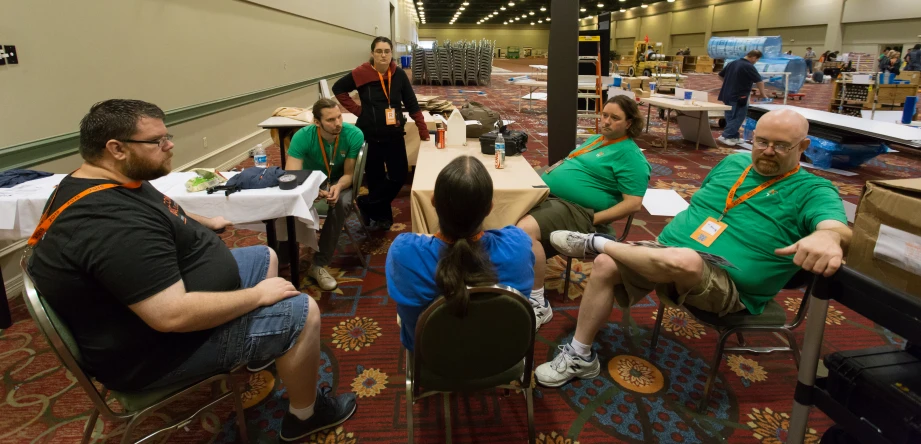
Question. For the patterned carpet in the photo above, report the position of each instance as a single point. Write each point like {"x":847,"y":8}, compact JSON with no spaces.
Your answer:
{"x":638,"y":397}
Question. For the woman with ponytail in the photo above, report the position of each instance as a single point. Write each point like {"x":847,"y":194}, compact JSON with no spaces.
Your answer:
{"x":420,"y":268}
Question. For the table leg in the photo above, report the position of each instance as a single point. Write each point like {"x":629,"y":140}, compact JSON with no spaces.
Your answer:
{"x":809,"y":362}
{"x":668,"y":118}
{"x":700,"y":122}
{"x":271,"y":236}
{"x":294,"y":257}
{"x":648,"y":112}
{"x":282,"y":133}
{"x":519,"y":99}
{"x":531,"y":102}
{"x":6,"y":316}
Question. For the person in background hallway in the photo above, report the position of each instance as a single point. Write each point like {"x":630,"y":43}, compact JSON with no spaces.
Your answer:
{"x":891,"y":63}
{"x":421,"y":267}
{"x":789,"y":52}
{"x":738,"y":78}
{"x":914,"y":59}
{"x":330,"y":146}
{"x":810,"y":58}
{"x":384,"y":91}
{"x":885,"y":54}
{"x":153,"y":297}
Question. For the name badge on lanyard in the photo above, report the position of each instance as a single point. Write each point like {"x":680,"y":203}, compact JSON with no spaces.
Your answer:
{"x":390,"y":114}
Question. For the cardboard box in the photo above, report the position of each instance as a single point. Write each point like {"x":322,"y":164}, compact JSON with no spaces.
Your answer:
{"x":635,"y":83}
{"x":912,"y":76}
{"x":887,"y":234}
{"x":644,"y":93}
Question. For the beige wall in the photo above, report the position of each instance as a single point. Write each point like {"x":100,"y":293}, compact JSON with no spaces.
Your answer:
{"x":787,"y":13}
{"x":867,"y":36}
{"x":691,"y":21}
{"x":537,"y":37}
{"x":695,"y":42}
{"x":816,"y":23}
{"x":874,"y":10}
{"x":175,"y":53}
{"x":733,"y":16}
{"x":803,"y":36}
{"x":624,"y":46}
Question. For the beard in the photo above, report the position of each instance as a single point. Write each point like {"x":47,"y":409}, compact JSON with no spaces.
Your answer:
{"x":139,"y":168}
{"x":767,"y":167}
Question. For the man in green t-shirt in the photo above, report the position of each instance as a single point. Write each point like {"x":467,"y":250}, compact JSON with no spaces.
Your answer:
{"x":329,"y":146}
{"x":602,"y":181}
{"x":755,"y":211}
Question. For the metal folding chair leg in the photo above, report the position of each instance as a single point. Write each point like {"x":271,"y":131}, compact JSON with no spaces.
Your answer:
{"x":447,"y":408}
{"x":655,"y":331}
{"x":714,"y":369}
{"x":566,"y":277}
{"x":361,"y":256}
{"x":740,"y":338}
{"x":90,"y":425}
{"x":237,"y":390}
{"x":409,"y":396}
{"x":529,"y":398}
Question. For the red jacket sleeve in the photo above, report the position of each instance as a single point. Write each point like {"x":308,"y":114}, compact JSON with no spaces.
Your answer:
{"x":341,"y":89}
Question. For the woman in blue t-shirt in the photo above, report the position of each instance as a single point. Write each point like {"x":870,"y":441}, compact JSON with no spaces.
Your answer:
{"x":420,"y":267}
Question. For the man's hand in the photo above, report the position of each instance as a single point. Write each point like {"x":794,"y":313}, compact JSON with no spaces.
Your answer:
{"x":333,"y":195}
{"x":275,"y":289}
{"x":217,"y":223}
{"x":819,"y":253}
{"x":322,"y":195}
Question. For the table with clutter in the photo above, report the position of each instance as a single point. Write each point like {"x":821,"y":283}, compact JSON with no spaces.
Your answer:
{"x":516,"y":188}
{"x":21,"y":206}
{"x":689,"y":111}
{"x":299,"y":118}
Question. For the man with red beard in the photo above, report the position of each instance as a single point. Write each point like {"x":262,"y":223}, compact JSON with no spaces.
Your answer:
{"x":762,"y":212}
{"x":151,"y":294}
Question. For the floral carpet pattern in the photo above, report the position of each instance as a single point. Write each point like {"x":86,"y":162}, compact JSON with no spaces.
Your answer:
{"x":640,"y":396}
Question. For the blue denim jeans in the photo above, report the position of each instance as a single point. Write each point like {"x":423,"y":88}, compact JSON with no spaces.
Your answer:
{"x":809,"y":65}
{"x":735,"y":118}
{"x":262,"y":334}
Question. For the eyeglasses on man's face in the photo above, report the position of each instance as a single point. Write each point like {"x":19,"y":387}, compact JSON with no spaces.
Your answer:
{"x":381,"y":51}
{"x":779,"y":147}
{"x":161,"y":142}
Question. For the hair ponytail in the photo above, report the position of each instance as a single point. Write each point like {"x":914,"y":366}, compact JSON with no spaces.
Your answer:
{"x":463,"y":199}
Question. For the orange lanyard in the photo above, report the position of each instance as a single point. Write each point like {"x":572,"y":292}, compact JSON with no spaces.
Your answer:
{"x":45,"y":222}
{"x":596,"y":142}
{"x":329,"y":166}
{"x":473,"y":238}
{"x":389,"y":84}
{"x":731,"y":202}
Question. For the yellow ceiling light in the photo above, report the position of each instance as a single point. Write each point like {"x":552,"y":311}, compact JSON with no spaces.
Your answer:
{"x":644,"y":5}
{"x":543,"y":8}
{"x":582,"y":9}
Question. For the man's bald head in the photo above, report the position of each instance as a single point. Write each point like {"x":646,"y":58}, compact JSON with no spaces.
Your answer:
{"x":779,"y":141}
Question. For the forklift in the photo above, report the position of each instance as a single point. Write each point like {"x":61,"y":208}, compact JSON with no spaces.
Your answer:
{"x":641,"y":65}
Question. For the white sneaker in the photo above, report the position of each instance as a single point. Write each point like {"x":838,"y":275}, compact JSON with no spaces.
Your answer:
{"x":566,"y":366}
{"x":729,"y":142}
{"x":325,"y":281}
{"x":543,"y":314}
{"x":575,"y":244}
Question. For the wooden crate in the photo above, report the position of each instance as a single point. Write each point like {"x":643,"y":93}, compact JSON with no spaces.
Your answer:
{"x":895,"y":94}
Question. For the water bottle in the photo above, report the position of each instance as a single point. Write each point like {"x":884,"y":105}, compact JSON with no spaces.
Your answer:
{"x":259,"y":157}
{"x":500,"y":152}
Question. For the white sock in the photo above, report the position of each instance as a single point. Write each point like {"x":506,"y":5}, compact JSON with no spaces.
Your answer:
{"x":303,"y":413}
{"x":598,"y":243}
{"x":584,"y":351}
{"x":538,"y":296}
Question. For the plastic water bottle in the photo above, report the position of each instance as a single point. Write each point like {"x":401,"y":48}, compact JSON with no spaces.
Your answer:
{"x":259,"y":157}
{"x":500,"y":152}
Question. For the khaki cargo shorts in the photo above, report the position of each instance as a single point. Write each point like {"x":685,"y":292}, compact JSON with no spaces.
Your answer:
{"x":557,"y":214}
{"x":715,"y":293}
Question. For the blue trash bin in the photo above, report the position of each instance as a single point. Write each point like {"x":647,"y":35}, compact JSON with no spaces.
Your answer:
{"x":405,"y":61}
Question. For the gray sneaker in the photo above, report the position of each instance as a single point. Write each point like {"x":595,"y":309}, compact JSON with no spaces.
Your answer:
{"x":325,"y":281}
{"x":575,"y":244}
{"x":566,"y":366}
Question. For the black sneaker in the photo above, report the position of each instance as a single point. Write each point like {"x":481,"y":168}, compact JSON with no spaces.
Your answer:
{"x":328,"y":412}
{"x":256,"y":366}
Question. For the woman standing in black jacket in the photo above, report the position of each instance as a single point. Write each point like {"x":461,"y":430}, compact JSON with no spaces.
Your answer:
{"x":383,"y":90}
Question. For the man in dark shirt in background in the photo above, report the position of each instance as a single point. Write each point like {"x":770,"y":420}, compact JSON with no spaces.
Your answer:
{"x":151,"y":294}
{"x":738,"y":78}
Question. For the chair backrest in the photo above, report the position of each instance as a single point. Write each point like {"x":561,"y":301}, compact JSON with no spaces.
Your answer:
{"x":495,"y":335}
{"x":59,"y":337}
{"x":359,"y":175}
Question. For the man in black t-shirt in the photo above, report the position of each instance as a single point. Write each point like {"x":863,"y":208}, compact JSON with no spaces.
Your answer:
{"x":738,"y":78}
{"x":152,"y":295}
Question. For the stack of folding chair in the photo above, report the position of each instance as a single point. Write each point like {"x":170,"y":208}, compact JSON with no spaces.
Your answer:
{"x":418,"y":65}
{"x":484,"y":71}
{"x":431,"y":68}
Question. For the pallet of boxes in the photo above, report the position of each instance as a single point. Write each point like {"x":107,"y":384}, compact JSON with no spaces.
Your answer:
{"x":703,"y":64}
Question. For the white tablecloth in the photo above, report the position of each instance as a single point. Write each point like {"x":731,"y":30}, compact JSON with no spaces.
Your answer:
{"x":21,"y":206}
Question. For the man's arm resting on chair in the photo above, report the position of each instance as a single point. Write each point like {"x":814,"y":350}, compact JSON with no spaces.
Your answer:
{"x":175,"y":310}
{"x":626,"y":207}
{"x":822,"y":251}
{"x":211,"y":223}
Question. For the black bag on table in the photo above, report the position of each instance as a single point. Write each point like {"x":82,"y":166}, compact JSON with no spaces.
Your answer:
{"x":516,"y":142}
{"x":486,"y":117}
{"x":881,"y":385}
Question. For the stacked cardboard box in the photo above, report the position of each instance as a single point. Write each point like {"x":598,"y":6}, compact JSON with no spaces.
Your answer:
{"x":704,"y":64}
